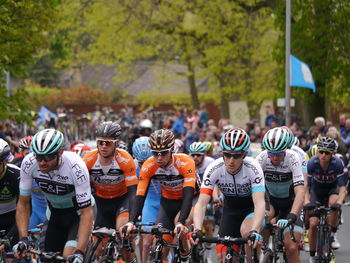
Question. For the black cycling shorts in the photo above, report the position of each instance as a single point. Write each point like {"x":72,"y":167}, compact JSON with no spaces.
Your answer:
{"x":168,"y":210}
{"x":8,"y":223}
{"x":320,"y":196}
{"x":109,"y":210}
{"x":231,"y":220}
{"x":282,"y":207}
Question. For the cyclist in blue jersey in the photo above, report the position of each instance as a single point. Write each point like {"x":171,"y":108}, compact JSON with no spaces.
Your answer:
{"x":142,"y":152}
{"x":327,"y":186}
{"x":64,"y":179}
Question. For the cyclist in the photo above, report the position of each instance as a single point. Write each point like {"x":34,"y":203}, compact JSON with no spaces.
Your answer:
{"x":9,"y":192}
{"x":241,"y":181}
{"x":285,"y":186}
{"x":142,"y":152}
{"x":176,"y":175}
{"x":64,"y":179}
{"x":38,"y":200}
{"x":327,"y":183}
{"x":81,"y":149}
{"x":113,"y":176}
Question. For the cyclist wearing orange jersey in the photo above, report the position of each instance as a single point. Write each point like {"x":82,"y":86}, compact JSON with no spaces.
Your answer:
{"x":176,"y":174}
{"x":113,"y":177}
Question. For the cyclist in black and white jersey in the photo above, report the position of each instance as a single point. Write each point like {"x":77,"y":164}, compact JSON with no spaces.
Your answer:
{"x":64,"y":179}
{"x":9,"y":192}
{"x":241,"y":181}
{"x":285,"y":186}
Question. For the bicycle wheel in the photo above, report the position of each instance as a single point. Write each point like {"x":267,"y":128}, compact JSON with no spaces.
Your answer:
{"x":268,"y":256}
{"x":197,"y":255}
{"x":90,"y":251}
{"x":320,"y":242}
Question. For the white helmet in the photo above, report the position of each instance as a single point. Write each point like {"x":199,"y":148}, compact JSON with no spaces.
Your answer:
{"x":146,"y":123}
{"x":4,"y":150}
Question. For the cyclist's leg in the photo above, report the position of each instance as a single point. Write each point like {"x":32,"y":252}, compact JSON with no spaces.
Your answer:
{"x":72,"y":243}
{"x":333,"y":219}
{"x":246,"y":227}
{"x":149,"y":215}
{"x":292,"y":248}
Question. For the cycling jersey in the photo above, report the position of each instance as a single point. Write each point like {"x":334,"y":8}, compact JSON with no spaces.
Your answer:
{"x":111,"y":181}
{"x":280,"y":180}
{"x":237,"y":189}
{"x":177,"y":181}
{"x":333,"y":177}
{"x":302,"y":156}
{"x":201,"y":169}
{"x":66,"y":187}
{"x":9,"y":188}
{"x":179,"y":174}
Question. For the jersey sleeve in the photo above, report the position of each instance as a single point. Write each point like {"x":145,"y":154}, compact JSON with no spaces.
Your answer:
{"x":303,"y":161}
{"x":127,"y":164}
{"x":81,"y":181}
{"x":147,"y":171}
{"x":209,"y":177}
{"x":188,"y":171}
{"x":25,"y":183}
{"x":341,"y":177}
{"x":257,"y":177}
{"x":295,"y":166}
{"x":261,"y":158}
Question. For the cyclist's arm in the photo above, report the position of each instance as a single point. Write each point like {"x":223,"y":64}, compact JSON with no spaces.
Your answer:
{"x":187,"y":196}
{"x":342,"y":182}
{"x":341,"y":195}
{"x":22,"y":215}
{"x":298,"y":203}
{"x":199,"y":210}
{"x":259,"y":210}
{"x":85,"y":227}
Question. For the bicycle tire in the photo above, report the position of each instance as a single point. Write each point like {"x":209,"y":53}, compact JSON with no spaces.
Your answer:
{"x":319,"y":245}
{"x":196,"y":256}
{"x":268,"y":257}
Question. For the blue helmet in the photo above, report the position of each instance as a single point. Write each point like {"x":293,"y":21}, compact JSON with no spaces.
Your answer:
{"x":140,"y":149}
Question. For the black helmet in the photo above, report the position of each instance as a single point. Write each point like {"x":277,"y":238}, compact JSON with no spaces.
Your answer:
{"x":4,"y":150}
{"x":327,"y":144}
{"x":161,"y":140}
{"x":108,"y":129}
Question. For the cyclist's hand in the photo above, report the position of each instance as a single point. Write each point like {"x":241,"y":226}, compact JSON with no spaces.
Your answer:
{"x":194,"y":236}
{"x":180,"y":229}
{"x":282,"y":223}
{"x":309,"y":206}
{"x":255,"y":239}
{"x":77,"y":257}
{"x":292,"y":218}
{"x":125,"y":230}
{"x":21,"y":247}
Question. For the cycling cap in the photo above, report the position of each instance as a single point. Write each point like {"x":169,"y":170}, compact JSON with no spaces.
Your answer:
{"x":47,"y":141}
{"x":276,"y":140}
{"x":197,"y":147}
{"x":4,"y":150}
{"x":108,"y":129}
{"x":161,"y":140}
{"x":235,"y":139}
{"x":122,"y":145}
{"x":290,"y":136}
{"x":25,"y":142}
{"x":140,"y":149}
{"x":327,"y":144}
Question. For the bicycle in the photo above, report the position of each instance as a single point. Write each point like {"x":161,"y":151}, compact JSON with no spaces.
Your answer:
{"x":276,"y":253}
{"x":231,"y":253}
{"x":156,"y":252}
{"x":52,"y":257}
{"x":324,"y":251}
{"x":113,"y":245}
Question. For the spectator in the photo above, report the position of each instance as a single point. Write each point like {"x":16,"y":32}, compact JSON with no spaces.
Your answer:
{"x":270,"y":117}
{"x":203,"y":116}
{"x":320,"y":123}
{"x":346,"y":138}
{"x":178,"y":126}
{"x":333,"y":133}
{"x":342,"y":120}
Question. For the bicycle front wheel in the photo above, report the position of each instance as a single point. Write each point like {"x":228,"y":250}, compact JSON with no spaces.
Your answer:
{"x":268,"y":256}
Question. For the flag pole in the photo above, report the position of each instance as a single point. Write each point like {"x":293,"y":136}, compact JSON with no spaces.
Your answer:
{"x":287,"y":66}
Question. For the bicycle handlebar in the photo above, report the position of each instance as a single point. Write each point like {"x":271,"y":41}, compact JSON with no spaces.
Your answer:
{"x":52,"y":256}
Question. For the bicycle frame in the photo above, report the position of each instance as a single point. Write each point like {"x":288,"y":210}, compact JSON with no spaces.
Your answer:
{"x":324,"y":251}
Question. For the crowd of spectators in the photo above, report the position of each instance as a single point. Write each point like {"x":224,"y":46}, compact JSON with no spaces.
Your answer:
{"x":187,"y":125}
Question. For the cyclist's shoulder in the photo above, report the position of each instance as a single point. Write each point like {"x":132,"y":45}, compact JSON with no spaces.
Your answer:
{"x":337,"y":162}
{"x":13,"y":169}
{"x":262,"y":156}
{"x":215,"y":167}
{"x":90,"y":157}
{"x":208,"y":159}
{"x":182,"y":161}
{"x":251,"y":163}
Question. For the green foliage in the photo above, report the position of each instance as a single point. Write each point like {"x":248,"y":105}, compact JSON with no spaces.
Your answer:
{"x":229,"y":40}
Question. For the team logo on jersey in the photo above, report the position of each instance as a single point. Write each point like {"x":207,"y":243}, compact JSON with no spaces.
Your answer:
{"x":258,"y":180}
{"x":180,"y":164}
{"x":207,"y":182}
{"x":79,"y":173}
{"x":5,"y":191}
{"x":122,"y":159}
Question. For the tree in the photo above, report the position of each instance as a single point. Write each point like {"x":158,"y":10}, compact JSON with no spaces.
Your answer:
{"x":228,"y":40}
{"x":320,"y":37}
{"x":23,"y":29}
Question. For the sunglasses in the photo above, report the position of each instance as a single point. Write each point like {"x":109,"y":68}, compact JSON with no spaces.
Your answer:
{"x":196,"y":154}
{"x":228,"y":155}
{"x":324,"y":152}
{"x":276,"y":153}
{"x":106,"y":142}
{"x":160,"y":153}
{"x":46,"y":158}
